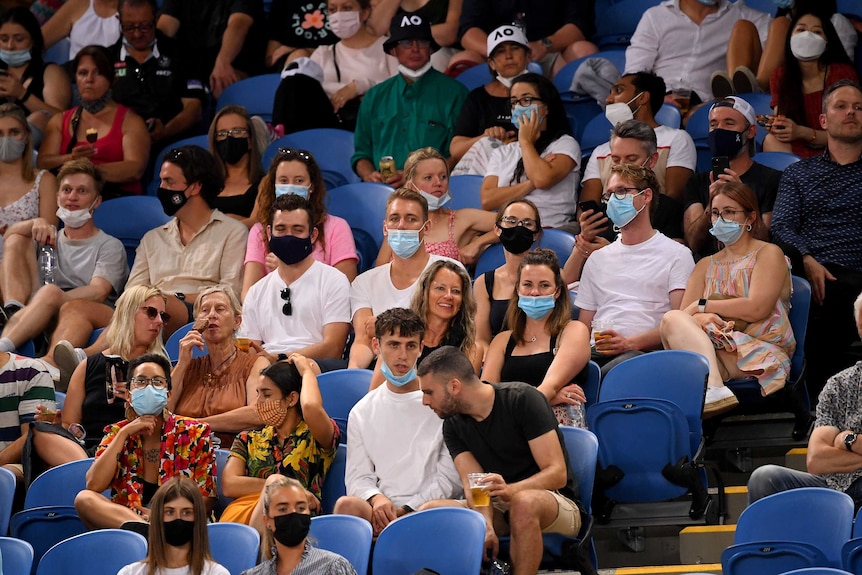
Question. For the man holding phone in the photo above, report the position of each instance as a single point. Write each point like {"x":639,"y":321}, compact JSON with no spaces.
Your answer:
{"x":732,"y":126}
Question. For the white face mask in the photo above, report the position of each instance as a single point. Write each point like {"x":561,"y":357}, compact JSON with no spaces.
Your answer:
{"x":435,"y":203}
{"x":618,"y":112}
{"x":74,"y":218}
{"x":344,"y":24}
{"x":807,"y":46}
{"x":507,"y":81}
{"x":414,"y":74}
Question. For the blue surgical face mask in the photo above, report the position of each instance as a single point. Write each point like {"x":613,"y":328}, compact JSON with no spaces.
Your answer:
{"x":708,"y":2}
{"x":149,"y":401}
{"x":621,"y":212}
{"x":536,"y":307}
{"x":783,"y":3}
{"x":15,"y":58}
{"x":397,"y":381}
{"x":404,"y":243}
{"x":518,"y":111}
{"x":727,"y":233}
{"x":296,"y":189}
{"x":435,"y":203}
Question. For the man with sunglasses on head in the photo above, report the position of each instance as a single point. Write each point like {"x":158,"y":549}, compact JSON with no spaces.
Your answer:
{"x":636,"y":279}
{"x":414,"y":109}
{"x":149,"y":78}
{"x":303,"y":306}
{"x":197,"y":248}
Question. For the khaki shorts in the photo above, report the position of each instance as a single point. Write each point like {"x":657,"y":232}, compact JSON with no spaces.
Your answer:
{"x":567,"y":522}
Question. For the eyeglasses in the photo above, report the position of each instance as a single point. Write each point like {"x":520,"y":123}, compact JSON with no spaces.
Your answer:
{"x":145,"y":28}
{"x":726,"y":214}
{"x":294,"y":152}
{"x":152,"y":313}
{"x":524,"y":101}
{"x":512,"y":221}
{"x":621,"y":193}
{"x":287,"y":308}
{"x":157,"y":381}
{"x":409,"y":43}
{"x":233,"y":133}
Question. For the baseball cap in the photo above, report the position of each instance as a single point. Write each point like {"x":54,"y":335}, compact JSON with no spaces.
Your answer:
{"x":506,"y":33}
{"x":409,"y":27}
{"x":739,"y":105}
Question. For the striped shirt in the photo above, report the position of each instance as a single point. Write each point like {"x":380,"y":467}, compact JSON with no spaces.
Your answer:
{"x":24,"y":384}
{"x":314,"y":562}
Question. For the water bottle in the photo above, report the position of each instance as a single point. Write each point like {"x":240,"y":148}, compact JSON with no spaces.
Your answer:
{"x":47,"y":263}
{"x":578,"y":416}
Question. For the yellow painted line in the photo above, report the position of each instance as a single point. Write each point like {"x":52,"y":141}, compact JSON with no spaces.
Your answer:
{"x":709,"y":529}
{"x":736,"y":489}
{"x":669,"y":569}
{"x":798,"y":451}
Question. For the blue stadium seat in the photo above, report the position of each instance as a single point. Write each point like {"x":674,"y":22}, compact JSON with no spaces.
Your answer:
{"x":223,"y":500}
{"x":668,"y":115}
{"x":172,"y":346}
{"x":27,"y":349}
{"x":475,"y":76}
{"x":583,"y":108}
{"x":770,"y":557}
{"x":616,"y":21}
{"x":235,"y":546}
{"x":593,"y":384}
{"x":256,"y":94}
{"x":128,"y":219}
{"x":363,"y":205}
{"x":776,"y":160}
{"x":106,"y":551}
{"x":331,"y":148}
{"x":17,"y":556}
{"x":446,"y":540}
{"x":7,"y":498}
{"x":559,"y":241}
{"x":60,"y":398}
{"x":466,"y":191}
{"x":851,"y":554}
{"x":201,"y":140}
{"x":818,"y":571}
{"x":346,"y":535}
{"x":340,"y":390}
{"x":333,"y":484}
{"x":58,"y":485}
{"x":596,"y":132}
{"x":58,"y":53}
{"x":42,"y":527}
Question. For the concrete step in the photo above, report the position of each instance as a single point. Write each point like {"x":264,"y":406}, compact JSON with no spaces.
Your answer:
{"x":796,"y":459}
{"x":704,"y":544}
{"x":670,"y":569}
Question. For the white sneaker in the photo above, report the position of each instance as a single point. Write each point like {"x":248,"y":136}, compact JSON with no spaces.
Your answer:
{"x":718,"y":400}
{"x":67,"y":357}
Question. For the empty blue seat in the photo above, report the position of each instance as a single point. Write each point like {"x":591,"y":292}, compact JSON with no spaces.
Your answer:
{"x":223,"y":500}
{"x":256,"y":94}
{"x":234,"y":545}
{"x":769,"y":557}
{"x":172,"y":346}
{"x":42,"y":527}
{"x":363,"y":205}
{"x":104,"y":552}
{"x":7,"y":497}
{"x":129,"y":218}
{"x":332,"y":149}
{"x":58,"y":485}
{"x":340,"y":390}
{"x":17,"y":556}
{"x":476,"y":76}
{"x":466,"y":191}
{"x":559,"y":241}
{"x":346,"y":535}
{"x":333,"y":484}
{"x":616,"y":21}
{"x":851,"y":554}
{"x":776,"y":160}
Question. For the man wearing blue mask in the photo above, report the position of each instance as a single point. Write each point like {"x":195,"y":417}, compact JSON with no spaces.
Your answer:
{"x":304,"y":305}
{"x":732,"y":126}
{"x":396,"y":458}
{"x":391,"y":285}
{"x":632,"y":282}
{"x":148,"y":75}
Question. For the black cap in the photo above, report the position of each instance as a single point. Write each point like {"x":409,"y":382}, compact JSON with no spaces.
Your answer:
{"x":409,"y":27}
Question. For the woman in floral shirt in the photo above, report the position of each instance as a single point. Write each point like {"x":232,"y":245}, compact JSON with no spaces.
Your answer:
{"x":299,"y":441}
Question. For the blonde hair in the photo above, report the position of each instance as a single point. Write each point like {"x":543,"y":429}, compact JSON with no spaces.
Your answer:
{"x":465,"y":320}
{"x":120,"y":333}
{"x":418,"y":156}
{"x":9,"y":110}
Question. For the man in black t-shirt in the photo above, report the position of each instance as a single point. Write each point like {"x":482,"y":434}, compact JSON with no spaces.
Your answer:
{"x":732,"y":126}
{"x":507,"y":431}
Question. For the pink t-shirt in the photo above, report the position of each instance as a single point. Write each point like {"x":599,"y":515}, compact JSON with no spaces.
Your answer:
{"x":336,"y":231}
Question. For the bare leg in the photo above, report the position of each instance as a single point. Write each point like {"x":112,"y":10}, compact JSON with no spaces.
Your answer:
{"x":19,"y":269}
{"x":349,"y":505}
{"x":78,"y":319}
{"x":773,"y":51}
{"x":743,"y":48}
{"x":529,"y":511}
{"x":98,"y":512}
{"x":35,"y":317}
{"x":679,"y":330}
{"x":55,"y":449}
{"x":770,"y":144}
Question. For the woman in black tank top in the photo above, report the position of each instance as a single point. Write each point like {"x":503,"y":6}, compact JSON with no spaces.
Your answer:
{"x":544,"y":347}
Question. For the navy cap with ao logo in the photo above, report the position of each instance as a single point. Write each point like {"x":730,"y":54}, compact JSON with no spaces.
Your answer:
{"x":409,"y":27}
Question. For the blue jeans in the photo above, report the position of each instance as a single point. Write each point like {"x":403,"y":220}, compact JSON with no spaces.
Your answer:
{"x":771,"y":479}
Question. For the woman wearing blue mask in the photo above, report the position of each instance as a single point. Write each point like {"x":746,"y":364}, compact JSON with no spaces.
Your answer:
{"x":734,"y":311}
{"x":298,"y":440}
{"x":458,"y":234}
{"x":544,"y":347}
{"x":40,"y":89}
{"x":542,"y":164}
{"x":296,"y":172}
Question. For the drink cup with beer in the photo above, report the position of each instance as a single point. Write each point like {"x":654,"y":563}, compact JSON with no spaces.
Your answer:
{"x":682,"y":97}
{"x":243,"y":342}
{"x":387,"y":167}
{"x":479,"y":490}
{"x":600,"y":327}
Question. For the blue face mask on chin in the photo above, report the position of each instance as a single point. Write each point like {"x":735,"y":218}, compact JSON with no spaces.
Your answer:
{"x":520,"y":111}
{"x":397,"y":381}
{"x":727,"y":233}
{"x":296,"y":189}
{"x":536,"y":307}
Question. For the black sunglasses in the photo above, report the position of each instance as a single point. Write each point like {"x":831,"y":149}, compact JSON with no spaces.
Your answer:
{"x":287,"y":308}
{"x":294,"y":152}
{"x":153,"y":312}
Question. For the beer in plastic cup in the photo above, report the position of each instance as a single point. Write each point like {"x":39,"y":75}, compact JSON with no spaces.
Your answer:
{"x":479,"y":490}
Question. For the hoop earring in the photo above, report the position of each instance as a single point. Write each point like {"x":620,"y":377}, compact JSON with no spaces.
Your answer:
{"x":748,"y":227}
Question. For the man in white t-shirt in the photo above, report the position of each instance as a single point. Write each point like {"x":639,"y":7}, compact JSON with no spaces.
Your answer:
{"x":391,"y":285}
{"x":396,"y":457}
{"x":304,"y":306}
{"x":89,"y":264}
{"x":639,"y":96}
{"x":636,"y":279}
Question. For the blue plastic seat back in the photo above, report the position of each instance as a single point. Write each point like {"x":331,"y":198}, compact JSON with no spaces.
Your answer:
{"x":201,"y":140}
{"x":340,"y":390}
{"x":58,"y":485}
{"x":105,"y":552}
{"x":234,"y":545}
{"x":593,"y":383}
{"x":818,"y":571}
{"x":563,"y":79}
{"x":173,"y":344}
{"x":256,"y":94}
{"x":7,"y":497}
{"x":128,"y":219}
{"x":58,"y":53}
{"x":776,"y":160}
{"x":466,"y":191}
{"x":333,"y":483}
{"x":616,"y":21}
{"x":223,"y":500}
{"x":475,"y":76}
{"x":332,"y":149}
{"x":17,"y":556}
{"x":557,"y":240}
{"x":640,"y":436}
{"x":819,"y":516}
{"x":851,"y":555}
{"x":60,"y":398}
{"x":43,"y":527}
{"x":363,"y":205}
{"x":446,"y":540}
{"x":668,"y":115}
{"x":595,"y":133}
{"x":770,"y":557}
{"x":346,"y":535}
{"x":674,"y":375}
{"x":27,"y":349}
{"x":489,"y":260}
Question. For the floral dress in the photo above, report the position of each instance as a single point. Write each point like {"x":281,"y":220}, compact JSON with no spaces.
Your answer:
{"x":763,"y":348}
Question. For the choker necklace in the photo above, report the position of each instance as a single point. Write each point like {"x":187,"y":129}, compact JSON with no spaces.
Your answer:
{"x":210,"y":377}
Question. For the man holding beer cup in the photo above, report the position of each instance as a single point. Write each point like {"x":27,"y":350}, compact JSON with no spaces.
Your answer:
{"x":509,"y":452}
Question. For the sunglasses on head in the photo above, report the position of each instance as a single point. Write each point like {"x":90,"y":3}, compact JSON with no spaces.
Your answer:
{"x":287,"y":308}
{"x":294,"y":152}
{"x":153,"y":312}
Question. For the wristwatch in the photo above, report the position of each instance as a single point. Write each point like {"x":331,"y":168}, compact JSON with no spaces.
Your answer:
{"x":701,"y":305}
{"x":849,"y":440}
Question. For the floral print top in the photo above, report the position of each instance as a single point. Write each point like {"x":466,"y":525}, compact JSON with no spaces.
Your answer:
{"x":298,"y":456}
{"x":186,"y":449}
